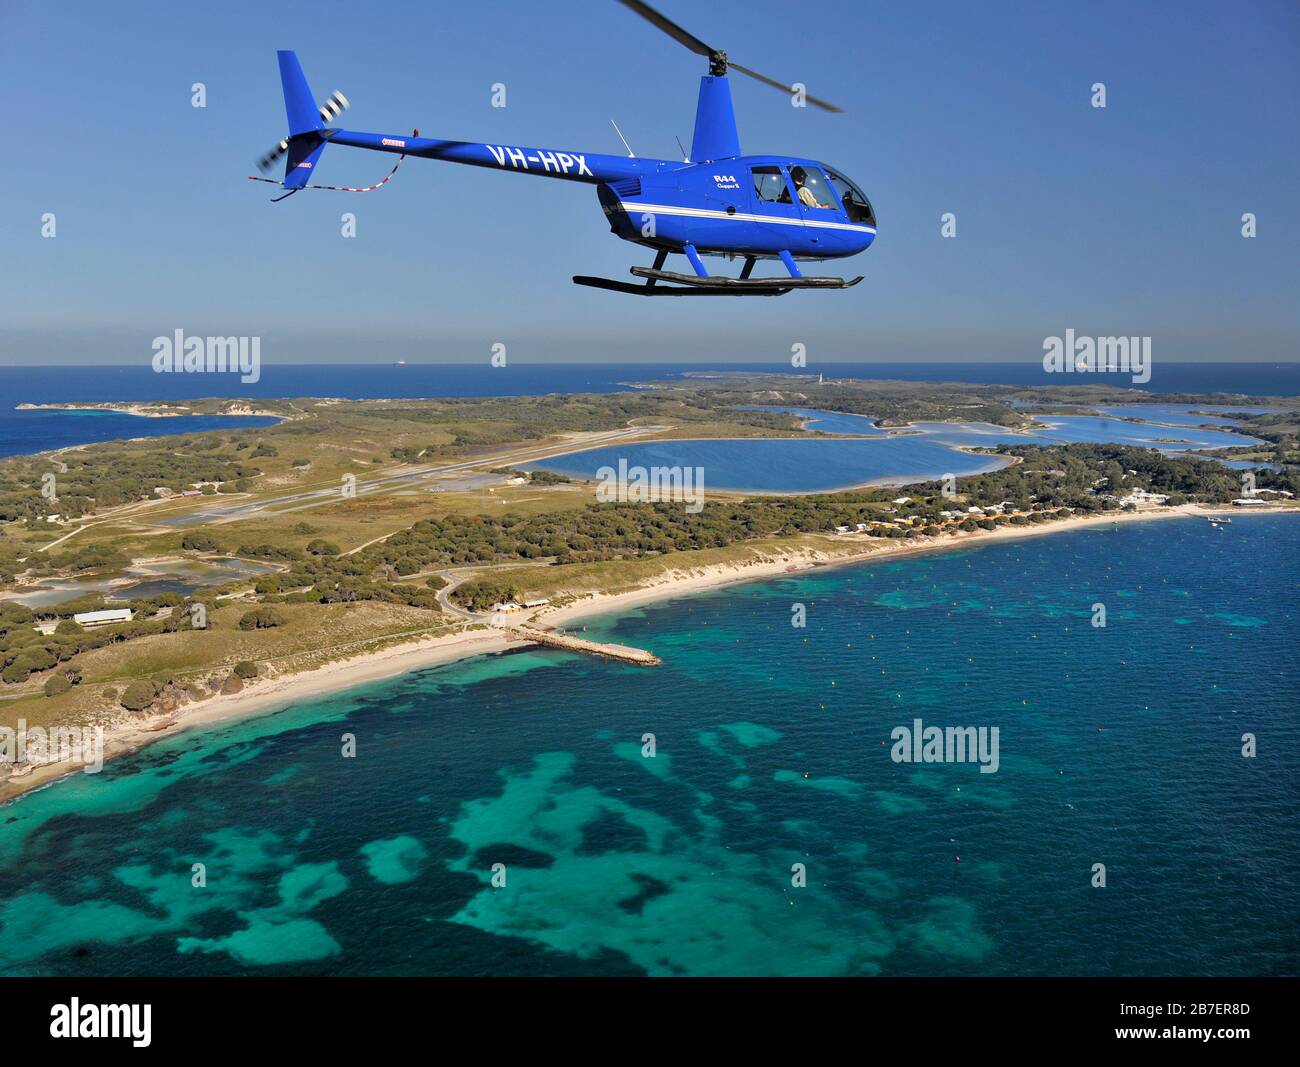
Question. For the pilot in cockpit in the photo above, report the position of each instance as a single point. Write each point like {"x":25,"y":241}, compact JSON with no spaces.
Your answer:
{"x":806,"y":196}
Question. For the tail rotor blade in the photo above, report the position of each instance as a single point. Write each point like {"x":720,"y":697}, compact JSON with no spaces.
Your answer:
{"x":334,"y":107}
{"x":329,"y":111}
{"x":267,"y":162}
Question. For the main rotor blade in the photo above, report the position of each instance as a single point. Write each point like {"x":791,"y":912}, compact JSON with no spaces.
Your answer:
{"x":697,"y":46}
{"x":669,"y":27}
{"x":824,"y":105}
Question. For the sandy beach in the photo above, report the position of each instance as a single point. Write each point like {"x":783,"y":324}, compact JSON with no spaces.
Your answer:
{"x":431,"y":652}
{"x":277,"y":693}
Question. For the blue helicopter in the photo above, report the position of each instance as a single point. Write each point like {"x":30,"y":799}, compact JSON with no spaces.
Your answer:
{"x":716,"y":202}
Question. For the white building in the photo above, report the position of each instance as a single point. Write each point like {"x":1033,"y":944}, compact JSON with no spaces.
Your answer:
{"x":1140,"y":497}
{"x":91,"y":619}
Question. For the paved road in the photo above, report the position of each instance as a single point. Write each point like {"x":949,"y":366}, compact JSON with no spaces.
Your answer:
{"x":315,"y":497}
{"x":444,"y":595}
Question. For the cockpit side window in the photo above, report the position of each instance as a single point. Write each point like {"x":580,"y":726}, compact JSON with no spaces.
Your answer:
{"x":856,"y":204}
{"x":811,"y":188}
{"x":769,"y":185}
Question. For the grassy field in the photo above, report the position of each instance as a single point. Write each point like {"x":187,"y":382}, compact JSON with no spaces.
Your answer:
{"x":314,"y":635}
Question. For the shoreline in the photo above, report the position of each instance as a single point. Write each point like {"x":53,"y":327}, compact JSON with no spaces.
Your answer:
{"x":276,"y":693}
{"x":126,"y":409}
{"x":716,"y":576}
{"x":343,"y":675}
{"x":146,"y":410}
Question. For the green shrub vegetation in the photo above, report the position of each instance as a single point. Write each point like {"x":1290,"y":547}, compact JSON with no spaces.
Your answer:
{"x":261,"y":619}
{"x":140,"y":694}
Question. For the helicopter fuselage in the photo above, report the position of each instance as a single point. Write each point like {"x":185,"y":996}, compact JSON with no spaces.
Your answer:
{"x":757,"y":206}
{"x":746,"y":206}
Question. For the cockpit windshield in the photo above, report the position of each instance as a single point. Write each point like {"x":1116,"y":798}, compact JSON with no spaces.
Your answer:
{"x":856,"y":205}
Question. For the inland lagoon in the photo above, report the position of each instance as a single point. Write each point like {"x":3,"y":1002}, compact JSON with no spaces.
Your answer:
{"x":919,"y":452}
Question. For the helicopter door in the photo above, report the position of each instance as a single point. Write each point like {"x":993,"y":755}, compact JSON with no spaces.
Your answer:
{"x":774,"y":200}
{"x":817,"y":203}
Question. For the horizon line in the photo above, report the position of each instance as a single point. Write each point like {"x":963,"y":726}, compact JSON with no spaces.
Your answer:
{"x":669,"y":363}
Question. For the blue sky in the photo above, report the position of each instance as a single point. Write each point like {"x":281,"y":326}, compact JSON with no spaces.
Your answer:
{"x":1117,"y":221}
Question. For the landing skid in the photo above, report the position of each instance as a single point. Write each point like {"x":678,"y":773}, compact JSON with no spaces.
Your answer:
{"x":697,"y":285}
{"x":784,"y":284}
{"x":691,"y":286}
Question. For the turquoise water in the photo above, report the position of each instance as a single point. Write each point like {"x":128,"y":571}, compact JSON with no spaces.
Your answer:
{"x":1118,"y":746}
{"x":922,"y":452}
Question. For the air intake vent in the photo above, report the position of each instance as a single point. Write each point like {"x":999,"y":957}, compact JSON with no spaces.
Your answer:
{"x":626,"y":188}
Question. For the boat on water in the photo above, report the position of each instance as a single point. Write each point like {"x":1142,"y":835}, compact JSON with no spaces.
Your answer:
{"x":1215,"y":520}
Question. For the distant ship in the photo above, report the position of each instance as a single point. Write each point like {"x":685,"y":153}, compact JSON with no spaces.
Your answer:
{"x":400,"y":363}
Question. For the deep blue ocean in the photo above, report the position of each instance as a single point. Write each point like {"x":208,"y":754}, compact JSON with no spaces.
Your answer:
{"x":1119,"y":746}
{"x":38,"y":384}
{"x":24,"y":432}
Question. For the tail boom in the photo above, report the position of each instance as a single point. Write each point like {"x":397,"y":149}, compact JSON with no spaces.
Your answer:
{"x":584,"y":167}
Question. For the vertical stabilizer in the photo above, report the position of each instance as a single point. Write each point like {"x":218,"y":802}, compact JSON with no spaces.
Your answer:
{"x":299,"y":105}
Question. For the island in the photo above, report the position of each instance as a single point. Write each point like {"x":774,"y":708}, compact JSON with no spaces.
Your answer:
{"x":155,"y":584}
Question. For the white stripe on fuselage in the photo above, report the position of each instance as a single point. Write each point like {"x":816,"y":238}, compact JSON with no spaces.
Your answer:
{"x":739,"y":216}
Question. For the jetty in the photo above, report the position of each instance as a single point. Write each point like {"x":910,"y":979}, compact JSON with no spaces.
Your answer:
{"x":623,"y":653}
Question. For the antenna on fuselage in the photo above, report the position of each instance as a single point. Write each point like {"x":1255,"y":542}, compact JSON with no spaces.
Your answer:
{"x":685,"y":157}
{"x":630,"y":153}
